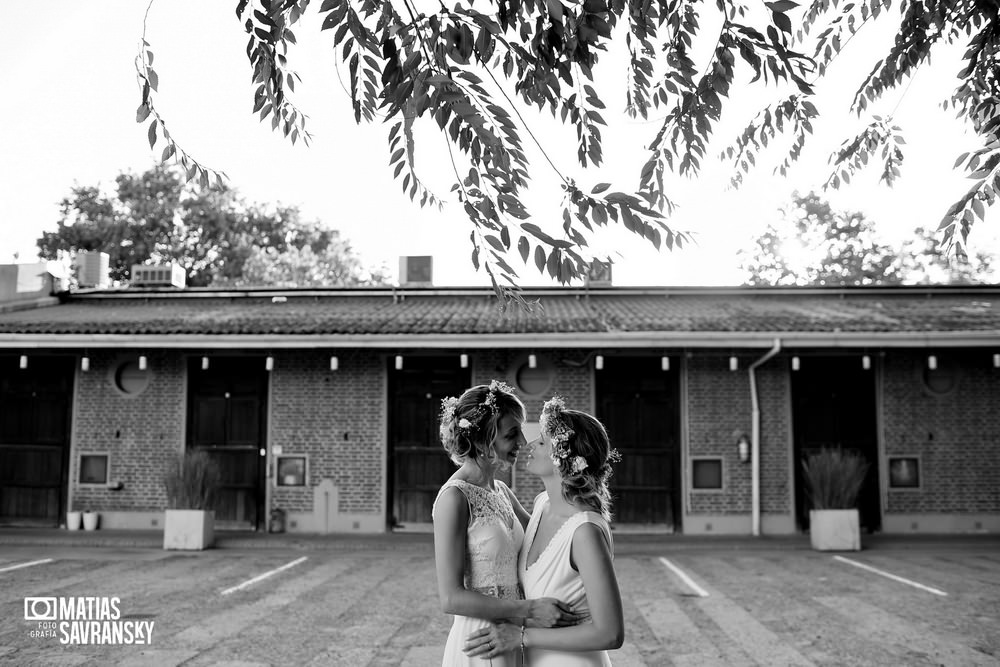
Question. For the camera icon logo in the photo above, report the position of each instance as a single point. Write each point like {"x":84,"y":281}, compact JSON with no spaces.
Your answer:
{"x":40,"y":609}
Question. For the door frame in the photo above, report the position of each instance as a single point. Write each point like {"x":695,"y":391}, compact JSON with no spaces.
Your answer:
{"x":262,"y":490}
{"x":678,"y":484}
{"x":389,"y":474}
{"x":797,"y":486}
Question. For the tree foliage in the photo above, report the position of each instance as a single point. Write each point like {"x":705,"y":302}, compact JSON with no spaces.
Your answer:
{"x":154,"y":217}
{"x":471,"y":68}
{"x":816,"y":245}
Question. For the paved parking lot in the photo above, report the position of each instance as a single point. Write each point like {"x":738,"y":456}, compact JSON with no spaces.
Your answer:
{"x":696,"y":605}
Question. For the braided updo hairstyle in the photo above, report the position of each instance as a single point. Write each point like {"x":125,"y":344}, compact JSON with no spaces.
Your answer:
{"x":469,"y":423}
{"x":588,"y":440}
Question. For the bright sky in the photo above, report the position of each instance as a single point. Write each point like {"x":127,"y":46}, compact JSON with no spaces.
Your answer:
{"x":69,"y":119}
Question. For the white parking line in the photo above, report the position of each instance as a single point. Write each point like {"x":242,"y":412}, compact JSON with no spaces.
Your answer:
{"x":890,"y":576}
{"x":698,"y":590}
{"x":28,"y":564}
{"x":261,"y":577}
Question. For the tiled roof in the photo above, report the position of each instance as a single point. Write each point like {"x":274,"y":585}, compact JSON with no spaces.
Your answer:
{"x":475,"y":312}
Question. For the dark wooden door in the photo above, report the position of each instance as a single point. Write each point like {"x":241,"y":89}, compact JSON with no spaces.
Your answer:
{"x":638,"y":404}
{"x":227,"y":417}
{"x":35,"y":408}
{"x":418,"y":464}
{"x":833,"y":405}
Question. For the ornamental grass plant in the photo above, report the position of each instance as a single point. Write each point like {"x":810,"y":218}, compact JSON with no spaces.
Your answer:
{"x":192,"y":481}
{"x":834,"y":478}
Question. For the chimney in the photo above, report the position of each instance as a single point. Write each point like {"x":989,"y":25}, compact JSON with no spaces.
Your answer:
{"x":416,"y":271}
{"x":92,"y":269}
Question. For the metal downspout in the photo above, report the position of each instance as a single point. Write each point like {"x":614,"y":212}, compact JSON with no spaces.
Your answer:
{"x":755,"y":437}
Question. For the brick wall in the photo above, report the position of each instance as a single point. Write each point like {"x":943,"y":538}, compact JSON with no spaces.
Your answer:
{"x":141,"y":433}
{"x":337,"y":418}
{"x":955,"y":434}
{"x":719,"y":408}
{"x":571,"y":379}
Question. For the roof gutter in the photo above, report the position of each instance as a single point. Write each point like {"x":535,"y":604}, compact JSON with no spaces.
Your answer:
{"x":596,"y":340}
{"x":755,"y":438}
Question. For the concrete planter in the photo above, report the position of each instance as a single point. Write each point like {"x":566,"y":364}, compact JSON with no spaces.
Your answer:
{"x":90,"y":520}
{"x":835,"y":530}
{"x":191,"y":530}
{"x":74,"y":519}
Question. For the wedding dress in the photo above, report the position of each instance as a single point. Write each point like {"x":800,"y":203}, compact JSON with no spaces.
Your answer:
{"x":552,"y":576}
{"x":493,"y":540}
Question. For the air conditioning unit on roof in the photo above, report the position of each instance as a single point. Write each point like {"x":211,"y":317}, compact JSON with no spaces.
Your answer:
{"x":416,"y":271}
{"x":158,"y":275}
{"x":599,"y":274}
{"x":92,"y":269}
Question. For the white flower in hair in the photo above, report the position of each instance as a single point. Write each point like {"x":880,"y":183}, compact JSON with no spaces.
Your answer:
{"x":464,"y":423}
{"x":579,"y":465}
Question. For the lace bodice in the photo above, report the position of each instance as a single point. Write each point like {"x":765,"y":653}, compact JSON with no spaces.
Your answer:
{"x":493,"y":539}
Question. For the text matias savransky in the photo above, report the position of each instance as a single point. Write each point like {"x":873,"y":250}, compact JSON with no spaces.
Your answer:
{"x":85,"y":620}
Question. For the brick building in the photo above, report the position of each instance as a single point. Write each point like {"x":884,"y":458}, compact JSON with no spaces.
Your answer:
{"x":323,"y":403}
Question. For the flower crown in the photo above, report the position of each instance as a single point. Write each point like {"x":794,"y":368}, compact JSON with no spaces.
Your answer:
{"x":468,"y":425}
{"x":553,"y":425}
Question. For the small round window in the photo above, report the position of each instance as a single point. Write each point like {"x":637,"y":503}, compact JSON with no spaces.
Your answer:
{"x":940,"y":380}
{"x":129,"y":379}
{"x":533,"y":381}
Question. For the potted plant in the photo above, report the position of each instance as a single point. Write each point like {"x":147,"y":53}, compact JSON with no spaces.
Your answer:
{"x":74,"y":519}
{"x":833,"y":481}
{"x":191,"y":485}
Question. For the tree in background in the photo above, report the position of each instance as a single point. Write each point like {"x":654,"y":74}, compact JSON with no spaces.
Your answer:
{"x":816,"y":245}
{"x":154,"y":217}
{"x":453,"y":67}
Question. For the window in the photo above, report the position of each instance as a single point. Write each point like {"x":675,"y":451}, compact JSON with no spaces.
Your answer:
{"x":93,"y":468}
{"x":292,"y":470}
{"x":904,"y":472}
{"x":706,"y":474}
{"x":532,"y":381}
{"x":129,"y":379}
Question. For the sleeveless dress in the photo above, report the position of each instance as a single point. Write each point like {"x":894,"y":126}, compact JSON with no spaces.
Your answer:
{"x":493,"y":539}
{"x":551,"y":576}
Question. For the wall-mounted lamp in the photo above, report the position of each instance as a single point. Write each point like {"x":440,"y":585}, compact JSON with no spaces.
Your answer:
{"x":996,"y":361}
{"x":734,"y":363}
{"x":866,"y":362}
{"x":399,"y":362}
{"x":932,"y":362}
{"x":143,"y":363}
{"x":269,"y":363}
{"x":796,"y":364}
{"x":23,"y":363}
{"x":664,"y":363}
{"x":84,"y":364}
{"x":204,"y":363}
{"x":743,"y":448}
{"x":599,"y":362}
{"x":334,"y":363}
{"x":532,"y":361}
{"x":463,"y":360}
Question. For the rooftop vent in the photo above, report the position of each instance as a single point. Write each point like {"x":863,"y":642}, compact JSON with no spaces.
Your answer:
{"x":158,"y":275}
{"x":599,"y":274}
{"x":416,"y":271}
{"x":92,"y":269}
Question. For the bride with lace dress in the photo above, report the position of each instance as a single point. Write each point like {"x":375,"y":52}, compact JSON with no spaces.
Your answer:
{"x":567,"y":552}
{"x":479,"y":525}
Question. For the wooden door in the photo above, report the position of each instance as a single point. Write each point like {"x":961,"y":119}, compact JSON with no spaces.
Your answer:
{"x":638,"y":404}
{"x":35,"y":409}
{"x":833,"y":405}
{"x":227,"y":417}
{"x":418,"y":464}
